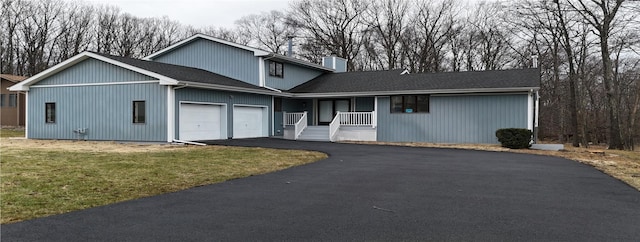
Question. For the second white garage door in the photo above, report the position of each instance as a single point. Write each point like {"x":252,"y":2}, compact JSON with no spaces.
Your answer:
{"x":248,"y":122}
{"x":200,"y":122}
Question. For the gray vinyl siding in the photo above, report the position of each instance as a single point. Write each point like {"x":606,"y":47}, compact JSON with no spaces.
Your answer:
{"x":327,"y":62}
{"x":93,"y":71}
{"x":365,"y":104}
{"x":299,"y":106}
{"x":293,"y":76}
{"x":341,"y":65}
{"x":106,"y":111}
{"x":223,"y":97}
{"x":217,"y":58}
{"x":454,"y":119}
{"x":277,"y":124}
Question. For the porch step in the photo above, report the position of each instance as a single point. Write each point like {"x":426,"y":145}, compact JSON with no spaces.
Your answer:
{"x":315,"y":133}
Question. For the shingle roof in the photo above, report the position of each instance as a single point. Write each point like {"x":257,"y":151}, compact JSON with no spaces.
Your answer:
{"x":381,"y":81}
{"x":183,"y":73}
{"x":12,"y":78}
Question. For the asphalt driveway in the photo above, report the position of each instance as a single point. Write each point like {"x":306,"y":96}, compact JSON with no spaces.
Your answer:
{"x":367,"y":192}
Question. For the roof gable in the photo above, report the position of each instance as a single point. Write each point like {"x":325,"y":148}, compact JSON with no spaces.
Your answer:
{"x":93,"y":71}
{"x":256,"y":52}
{"x":24,"y":85}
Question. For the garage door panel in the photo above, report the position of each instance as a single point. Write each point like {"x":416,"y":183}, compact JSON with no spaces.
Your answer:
{"x":248,"y":122}
{"x":200,"y":122}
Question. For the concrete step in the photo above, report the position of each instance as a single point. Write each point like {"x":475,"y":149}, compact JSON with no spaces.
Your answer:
{"x":315,"y":133}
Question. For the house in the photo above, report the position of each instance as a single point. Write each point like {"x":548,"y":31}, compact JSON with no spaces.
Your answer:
{"x":204,"y":88}
{"x":11,"y":102}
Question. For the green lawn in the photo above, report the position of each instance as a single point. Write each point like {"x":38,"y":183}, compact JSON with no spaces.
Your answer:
{"x":40,"y":182}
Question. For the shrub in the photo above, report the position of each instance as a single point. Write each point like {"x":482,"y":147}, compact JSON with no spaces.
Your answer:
{"x":514,"y":138}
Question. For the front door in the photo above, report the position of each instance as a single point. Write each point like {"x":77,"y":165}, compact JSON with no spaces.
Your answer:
{"x":327,"y":109}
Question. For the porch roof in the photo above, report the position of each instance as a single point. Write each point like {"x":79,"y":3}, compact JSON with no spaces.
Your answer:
{"x":395,"y":81}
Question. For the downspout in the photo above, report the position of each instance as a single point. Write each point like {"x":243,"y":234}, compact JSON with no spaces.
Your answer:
{"x":26,"y":114}
{"x":537,"y":111}
{"x":530,"y":110}
{"x":171,"y":111}
{"x":262,"y":79}
{"x":263,"y":83}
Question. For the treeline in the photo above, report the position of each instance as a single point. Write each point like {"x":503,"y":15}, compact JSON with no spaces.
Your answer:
{"x":588,"y":50}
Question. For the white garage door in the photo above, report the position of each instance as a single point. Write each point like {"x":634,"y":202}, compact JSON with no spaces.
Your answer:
{"x":248,"y":122}
{"x":200,"y":122}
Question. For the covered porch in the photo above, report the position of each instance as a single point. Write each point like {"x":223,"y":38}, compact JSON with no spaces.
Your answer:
{"x":326,"y":119}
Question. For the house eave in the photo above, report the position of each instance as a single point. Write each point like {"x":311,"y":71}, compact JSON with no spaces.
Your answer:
{"x":232,"y":89}
{"x":409,"y":92}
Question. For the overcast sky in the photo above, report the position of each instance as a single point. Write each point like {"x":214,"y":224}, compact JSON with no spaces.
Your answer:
{"x":197,"y":13}
{"x":201,"y":13}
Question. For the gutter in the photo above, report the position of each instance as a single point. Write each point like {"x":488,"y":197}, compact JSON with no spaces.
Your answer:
{"x":389,"y":93}
{"x":269,"y":91}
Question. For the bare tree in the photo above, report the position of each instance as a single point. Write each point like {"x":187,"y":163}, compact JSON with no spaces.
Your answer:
{"x":601,"y":14}
{"x":268,"y":30}
{"x":106,"y":32}
{"x":75,"y":29}
{"x":13,"y":14}
{"x":386,"y":22}
{"x":333,"y":25}
{"x":425,"y":41}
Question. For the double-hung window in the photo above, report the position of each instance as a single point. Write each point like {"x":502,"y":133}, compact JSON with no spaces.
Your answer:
{"x":276,"y":69}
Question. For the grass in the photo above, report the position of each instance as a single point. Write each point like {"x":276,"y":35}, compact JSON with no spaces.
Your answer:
{"x":40,"y":178}
{"x":6,"y":133}
{"x":37,"y":181}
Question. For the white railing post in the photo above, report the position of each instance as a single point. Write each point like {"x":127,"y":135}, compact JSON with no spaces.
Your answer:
{"x":300,"y":125}
{"x":374,"y":119}
{"x":284,"y":119}
{"x":334,"y":126}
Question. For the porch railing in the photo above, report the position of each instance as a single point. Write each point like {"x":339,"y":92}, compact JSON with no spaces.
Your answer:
{"x":291,"y":118}
{"x":357,"y":118}
{"x":351,"y":119}
{"x":334,"y":126}
{"x":298,"y":120}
